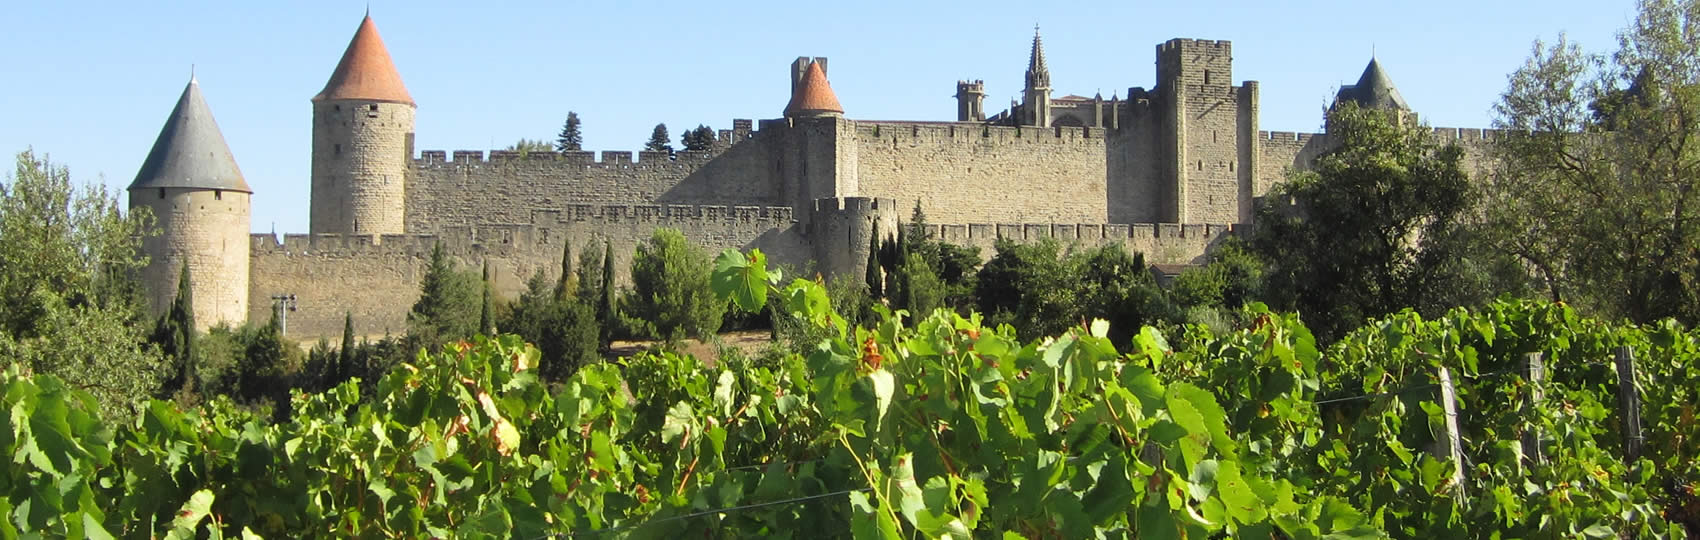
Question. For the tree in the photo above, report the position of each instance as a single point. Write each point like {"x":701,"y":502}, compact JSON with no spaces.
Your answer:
{"x":68,"y":286}
{"x":1117,"y":287}
{"x":1233,"y":277}
{"x":487,"y":307}
{"x":174,"y":333}
{"x":570,"y":139}
{"x":1371,"y":229}
{"x":1027,"y":286}
{"x":589,"y":277}
{"x":1596,"y":173}
{"x":567,"y":283}
{"x":670,"y":288}
{"x":875,"y":279}
{"x":698,"y":139}
{"x":607,"y":311}
{"x":447,"y":307}
{"x":529,"y":146}
{"x":658,"y":140}
{"x":345,"y":369}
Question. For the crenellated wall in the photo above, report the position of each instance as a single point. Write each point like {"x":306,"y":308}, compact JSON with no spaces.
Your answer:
{"x":376,"y":278}
{"x":1162,"y":243}
{"x":966,"y":172}
{"x":507,"y":186}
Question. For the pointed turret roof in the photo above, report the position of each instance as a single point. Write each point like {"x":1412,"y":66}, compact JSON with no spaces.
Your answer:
{"x":190,"y":151}
{"x":813,"y":95}
{"x":1038,"y":75}
{"x":1374,"y":90}
{"x":366,"y":72}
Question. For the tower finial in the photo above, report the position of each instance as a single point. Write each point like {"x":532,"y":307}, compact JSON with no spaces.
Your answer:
{"x":191,"y":73}
{"x":1038,"y":75}
{"x":368,"y":8}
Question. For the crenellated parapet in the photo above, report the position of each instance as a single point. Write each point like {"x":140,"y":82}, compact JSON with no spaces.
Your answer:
{"x":607,"y":159}
{"x":973,"y":133}
{"x":1179,"y":243}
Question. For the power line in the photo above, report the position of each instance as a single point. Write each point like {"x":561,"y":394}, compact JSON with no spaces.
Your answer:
{"x":1412,"y":389}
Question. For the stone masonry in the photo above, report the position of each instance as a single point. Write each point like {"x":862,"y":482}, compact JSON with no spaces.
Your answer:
{"x":1168,"y":172}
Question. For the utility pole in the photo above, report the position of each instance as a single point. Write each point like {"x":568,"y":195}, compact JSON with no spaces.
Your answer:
{"x":282,"y":304}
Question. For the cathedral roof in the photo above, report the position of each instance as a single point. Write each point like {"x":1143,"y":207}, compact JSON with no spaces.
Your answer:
{"x":813,"y":94}
{"x":366,"y":72}
{"x":1374,"y":90}
{"x":190,"y":151}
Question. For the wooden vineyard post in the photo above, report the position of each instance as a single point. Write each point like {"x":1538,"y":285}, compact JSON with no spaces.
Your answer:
{"x":1449,"y":399}
{"x":1628,"y":404}
{"x":1532,"y":437}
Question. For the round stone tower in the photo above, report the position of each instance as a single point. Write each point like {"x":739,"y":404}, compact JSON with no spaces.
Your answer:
{"x":200,"y":205}
{"x":362,"y":142}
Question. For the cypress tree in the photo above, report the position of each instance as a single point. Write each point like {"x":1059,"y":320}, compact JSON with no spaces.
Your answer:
{"x":564,"y":286}
{"x":486,"y":311}
{"x":606,"y":315}
{"x":345,"y":356}
{"x":876,"y":287}
{"x":175,"y":335}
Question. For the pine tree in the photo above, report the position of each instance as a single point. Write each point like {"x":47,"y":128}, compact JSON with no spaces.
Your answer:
{"x":659,"y":140}
{"x":570,"y":139}
{"x":700,"y":138}
{"x":445,"y":310}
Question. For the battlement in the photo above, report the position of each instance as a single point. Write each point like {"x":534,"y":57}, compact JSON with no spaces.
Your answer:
{"x":742,"y":129}
{"x":1178,"y":44}
{"x":1091,"y":232}
{"x":370,"y":244}
{"x":969,"y":132}
{"x":1288,"y":136}
{"x":853,"y":203}
{"x":1467,"y":135}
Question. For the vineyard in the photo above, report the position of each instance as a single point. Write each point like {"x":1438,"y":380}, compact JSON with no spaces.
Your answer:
{"x":921,"y":426}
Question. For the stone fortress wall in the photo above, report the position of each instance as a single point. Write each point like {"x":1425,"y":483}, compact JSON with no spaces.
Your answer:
{"x":1169,"y":172}
{"x":376,"y":278}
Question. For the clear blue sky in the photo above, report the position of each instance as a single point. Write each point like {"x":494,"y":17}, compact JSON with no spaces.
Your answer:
{"x":91,"y":83}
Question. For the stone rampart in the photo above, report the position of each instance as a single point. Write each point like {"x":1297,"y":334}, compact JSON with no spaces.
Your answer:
{"x":506,"y":186}
{"x":964,"y":172}
{"x":376,"y":278}
{"x":1162,"y":243}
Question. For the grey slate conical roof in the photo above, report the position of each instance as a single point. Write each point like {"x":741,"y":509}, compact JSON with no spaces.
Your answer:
{"x":1374,"y":90}
{"x":190,"y":151}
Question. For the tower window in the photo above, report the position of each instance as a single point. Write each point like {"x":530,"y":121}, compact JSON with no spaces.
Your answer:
{"x":372,"y":111}
{"x":218,"y":194}
{"x":338,"y":147}
{"x":1206,"y":76}
{"x":162,"y":193}
{"x":337,"y":108}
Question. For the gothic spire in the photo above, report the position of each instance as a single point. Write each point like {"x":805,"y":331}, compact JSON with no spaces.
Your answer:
{"x":1374,"y":90}
{"x":1038,"y":75}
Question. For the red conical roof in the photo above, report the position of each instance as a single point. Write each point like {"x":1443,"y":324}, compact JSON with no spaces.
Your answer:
{"x":365,"y":72}
{"x":813,"y":95}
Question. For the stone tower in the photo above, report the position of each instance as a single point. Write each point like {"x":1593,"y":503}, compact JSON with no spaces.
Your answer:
{"x":971,"y":101}
{"x":362,"y":142}
{"x":811,"y":94}
{"x":1208,"y":133}
{"x":821,"y":149}
{"x":201,"y":206}
{"x":1036,"y":97}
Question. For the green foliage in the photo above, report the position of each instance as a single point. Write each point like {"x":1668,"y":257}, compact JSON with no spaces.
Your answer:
{"x":527,"y":147}
{"x":571,"y":139}
{"x":1594,"y":182}
{"x":448,"y":306}
{"x":699,"y":139}
{"x":658,"y":140}
{"x":71,"y":300}
{"x":671,"y":294}
{"x":943,"y":427}
{"x":487,"y":306}
{"x":1232,"y":279}
{"x":1372,"y":229}
{"x":174,"y":334}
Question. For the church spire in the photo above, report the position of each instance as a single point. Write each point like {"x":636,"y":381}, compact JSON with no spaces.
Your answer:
{"x":1038,"y":75}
